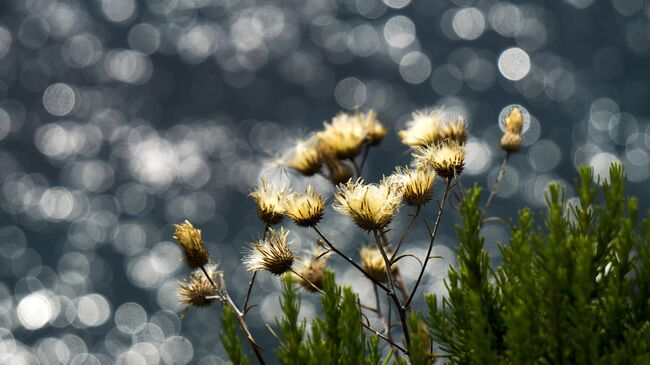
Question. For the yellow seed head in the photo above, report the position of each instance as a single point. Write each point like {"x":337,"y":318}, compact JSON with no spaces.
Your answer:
{"x":416,"y":185}
{"x":311,"y":269}
{"x":511,"y":142}
{"x":269,"y":202}
{"x":456,"y":131}
{"x":306,"y":209}
{"x":271,"y":254}
{"x":423,"y":128}
{"x":447,"y":158}
{"x":375,"y":130}
{"x":189,"y":238}
{"x":197,"y":289}
{"x":344,"y":135}
{"x":371,"y":206}
{"x":304,"y":157}
{"x":514,"y":121}
{"x":373,"y":263}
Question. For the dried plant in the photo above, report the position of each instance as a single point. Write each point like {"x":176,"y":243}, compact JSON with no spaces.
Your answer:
{"x":472,"y":325}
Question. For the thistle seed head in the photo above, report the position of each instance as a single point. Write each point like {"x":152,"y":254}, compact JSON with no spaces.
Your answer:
{"x":373,"y":263}
{"x":198,"y":290}
{"x":271,"y":254}
{"x":416,"y":185}
{"x":189,"y":238}
{"x":304,"y":157}
{"x":371,"y":206}
{"x":447,"y":158}
{"x":305,"y":209}
{"x":311,"y":270}
{"x":269,"y":202}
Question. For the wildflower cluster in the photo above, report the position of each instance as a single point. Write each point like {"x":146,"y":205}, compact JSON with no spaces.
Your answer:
{"x":338,"y":153}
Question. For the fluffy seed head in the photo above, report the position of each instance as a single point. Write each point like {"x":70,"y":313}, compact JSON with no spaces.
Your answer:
{"x":271,"y":254}
{"x":197,"y":289}
{"x":189,"y":238}
{"x":447,"y":159}
{"x":311,"y":269}
{"x":423,"y":128}
{"x":375,"y":130}
{"x":373,"y":263}
{"x":511,"y":142}
{"x":416,"y":185}
{"x":269,"y":202}
{"x":304,"y":157}
{"x":456,"y":131}
{"x":344,"y":135}
{"x":371,"y":206}
{"x":306,"y":209}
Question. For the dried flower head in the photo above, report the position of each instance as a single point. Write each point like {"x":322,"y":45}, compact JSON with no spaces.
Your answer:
{"x":514,"y":121}
{"x":416,"y":184}
{"x":456,"y":131}
{"x":423,"y":128}
{"x":305,"y":209}
{"x":371,"y":206}
{"x":447,"y":158}
{"x":338,"y":171}
{"x":511,"y":142}
{"x":344,"y":135}
{"x":271,"y":254}
{"x":373,"y":263}
{"x":198,"y":291}
{"x":375,"y":130}
{"x":304,"y":157}
{"x":269,"y":202}
{"x":311,"y":270}
{"x":189,"y":238}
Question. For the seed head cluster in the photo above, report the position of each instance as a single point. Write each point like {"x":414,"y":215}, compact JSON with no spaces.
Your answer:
{"x":189,"y":238}
{"x":271,"y":254}
{"x":371,"y":206}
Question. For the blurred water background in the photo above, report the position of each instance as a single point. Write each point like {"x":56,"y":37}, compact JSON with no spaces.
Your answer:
{"x":121,"y":117}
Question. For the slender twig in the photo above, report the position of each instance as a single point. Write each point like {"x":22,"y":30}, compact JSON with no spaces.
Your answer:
{"x":240,"y":318}
{"x":391,"y":285}
{"x":398,"y":276}
{"x":497,"y":181}
{"x":379,"y":313}
{"x":431,"y":241}
{"x":357,"y":169}
{"x":366,"y":149}
{"x":348,"y":259}
{"x":406,"y":232}
{"x":250,"y":284}
{"x":383,"y":337}
{"x":248,"y":293}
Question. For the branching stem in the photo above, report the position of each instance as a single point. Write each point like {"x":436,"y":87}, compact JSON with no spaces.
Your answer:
{"x":431,"y":242}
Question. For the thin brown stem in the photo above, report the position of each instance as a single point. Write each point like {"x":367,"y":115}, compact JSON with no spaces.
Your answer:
{"x":497,"y":182}
{"x":248,"y":293}
{"x":378,"y":311}
{"x":364,"y":158}
{"x":349,"y":259}
{"x":357,"y":169}
{"x":240,"y":318}
{"x":431,"y":242}
{"x":391,"y":285}
{"x":406,"y":232}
